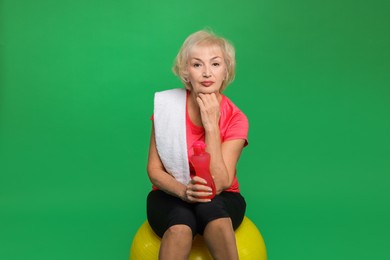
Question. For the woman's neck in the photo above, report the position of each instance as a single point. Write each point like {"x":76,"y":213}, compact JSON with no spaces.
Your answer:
{"x":193,"y":110}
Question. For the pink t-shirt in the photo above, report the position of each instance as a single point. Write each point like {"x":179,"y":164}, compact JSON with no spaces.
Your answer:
{"x":233,"y":124}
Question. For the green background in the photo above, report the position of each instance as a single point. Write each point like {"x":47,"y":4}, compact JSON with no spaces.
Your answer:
{"x":76,"y":87}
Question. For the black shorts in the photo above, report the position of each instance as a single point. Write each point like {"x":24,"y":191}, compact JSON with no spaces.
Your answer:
{"x":164,"y":211}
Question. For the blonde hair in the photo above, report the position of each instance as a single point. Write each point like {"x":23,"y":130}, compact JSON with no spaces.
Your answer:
{"x":205,"y":37}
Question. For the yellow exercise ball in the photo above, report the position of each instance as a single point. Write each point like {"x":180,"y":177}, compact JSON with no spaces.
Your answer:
{"x":250,"y":244}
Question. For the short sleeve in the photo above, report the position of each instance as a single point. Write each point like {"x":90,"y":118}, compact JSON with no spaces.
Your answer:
{"x":237,"y":127}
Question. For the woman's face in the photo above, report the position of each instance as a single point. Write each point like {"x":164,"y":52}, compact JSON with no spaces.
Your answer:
{"x":206,"y":69}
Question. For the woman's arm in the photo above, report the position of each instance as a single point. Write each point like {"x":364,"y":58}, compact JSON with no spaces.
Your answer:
{"x":167,"y":183}
{"x":224,"y":156}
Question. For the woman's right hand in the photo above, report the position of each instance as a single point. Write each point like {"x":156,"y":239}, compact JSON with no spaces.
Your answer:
{"x":196,"y":190}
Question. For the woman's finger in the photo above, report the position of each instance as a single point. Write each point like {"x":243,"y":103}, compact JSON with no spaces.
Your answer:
{"x":200,"y":187}
{"x":196,"y":196}
{"x":197,"y":179}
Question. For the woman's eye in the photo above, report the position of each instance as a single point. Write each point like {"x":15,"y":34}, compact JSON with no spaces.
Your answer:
{"x":196,"y":65}
{"x":215,"y":64}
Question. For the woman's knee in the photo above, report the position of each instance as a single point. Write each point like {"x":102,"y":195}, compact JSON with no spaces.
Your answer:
{"x":179,"y":231}
{"x":220,"y":225}
{"x":176,"y":243}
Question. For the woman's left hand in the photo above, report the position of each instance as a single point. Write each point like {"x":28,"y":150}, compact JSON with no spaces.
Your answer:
{"x":196,"y":190}
{"x":209,"y":110}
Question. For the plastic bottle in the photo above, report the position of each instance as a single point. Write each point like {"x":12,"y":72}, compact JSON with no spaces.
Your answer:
{"x":201,"y":162}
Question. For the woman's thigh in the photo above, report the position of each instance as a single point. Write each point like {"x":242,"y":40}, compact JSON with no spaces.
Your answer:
{"x":225,"y":205}
{"x":164,"y":211}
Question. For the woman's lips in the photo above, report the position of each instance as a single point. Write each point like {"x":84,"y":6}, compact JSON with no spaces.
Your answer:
{"x":207,"y":83}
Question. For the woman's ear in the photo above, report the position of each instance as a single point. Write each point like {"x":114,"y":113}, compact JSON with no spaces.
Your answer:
{"x":226,"y":74}
{"x":185,"y":76}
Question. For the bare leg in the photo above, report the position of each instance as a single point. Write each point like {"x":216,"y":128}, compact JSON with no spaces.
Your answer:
{"x":176,"y":243}
{"x":220,"y":239}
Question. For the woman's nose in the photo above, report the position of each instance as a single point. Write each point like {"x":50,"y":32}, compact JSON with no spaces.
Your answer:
{"x":206,"y":73}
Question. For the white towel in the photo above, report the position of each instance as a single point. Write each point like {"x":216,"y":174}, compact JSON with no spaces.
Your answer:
{"x":170,"y":132}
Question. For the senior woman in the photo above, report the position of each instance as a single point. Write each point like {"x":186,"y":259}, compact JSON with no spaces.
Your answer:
{"x":176,"y":207}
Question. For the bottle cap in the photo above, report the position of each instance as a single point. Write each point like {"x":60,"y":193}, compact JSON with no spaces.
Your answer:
{"x":199,"y":147}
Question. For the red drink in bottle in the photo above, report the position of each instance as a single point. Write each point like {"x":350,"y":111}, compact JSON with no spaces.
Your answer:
{"x":201,"y":162}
